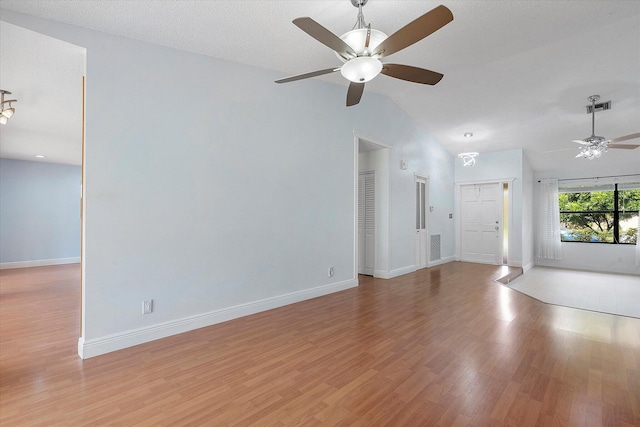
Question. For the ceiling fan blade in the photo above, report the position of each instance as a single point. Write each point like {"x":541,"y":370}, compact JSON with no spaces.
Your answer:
{"x":415,"y":31}
{"x":624,"y":138}
{"x":307,"y":75}
{"x":624,"y":146}
{"x":354,"y":93}
{"x":325,"y":36}
{"x":579,"y":141}
{"x":411,"y":74}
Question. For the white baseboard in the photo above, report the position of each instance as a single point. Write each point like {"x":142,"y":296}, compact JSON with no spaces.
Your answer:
{"x":527,"y":267}
{"x":39,"y":263}
{"x":394,"y":273}
{"x":106,"y":344}
{"x":441,"y":261}
{"x":409,"y":269}
{"x":623,"y":269}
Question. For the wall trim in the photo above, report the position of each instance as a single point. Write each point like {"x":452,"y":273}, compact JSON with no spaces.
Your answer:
{"x":621,"y":269}
{"x":39,"y":263}
{"x":440,"y":261}
{"x":394,"y":273}
{"x":528,"y":267}
{"x":108,"y":343}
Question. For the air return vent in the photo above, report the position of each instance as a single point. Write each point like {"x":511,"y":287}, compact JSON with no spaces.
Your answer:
{"x":435,"y":248}
{"x":599,"y":107}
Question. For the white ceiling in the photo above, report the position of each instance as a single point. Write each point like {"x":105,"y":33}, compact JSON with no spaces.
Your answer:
{"x":517,"y":73}
{"x":45,"y":76}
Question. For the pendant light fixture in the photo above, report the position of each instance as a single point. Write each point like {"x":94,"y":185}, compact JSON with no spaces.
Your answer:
{"x":468,"y":159}
{"x":6,"y":112}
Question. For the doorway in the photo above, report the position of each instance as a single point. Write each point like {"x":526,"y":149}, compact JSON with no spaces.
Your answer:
{"x":371,"y":208}
{"x":49,"y":74}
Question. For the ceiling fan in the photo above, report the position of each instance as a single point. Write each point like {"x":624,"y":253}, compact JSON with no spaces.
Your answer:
{"x":362,"y":48}
{"x":594,"y":146}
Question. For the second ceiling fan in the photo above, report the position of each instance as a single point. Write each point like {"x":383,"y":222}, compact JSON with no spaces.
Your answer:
{"x":594,"y":146}
{"x":362,"y":48}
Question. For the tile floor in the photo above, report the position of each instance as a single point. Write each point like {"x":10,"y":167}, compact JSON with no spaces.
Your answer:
{"x":607,"y":293}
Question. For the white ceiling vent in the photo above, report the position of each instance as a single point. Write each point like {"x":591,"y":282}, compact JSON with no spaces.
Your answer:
{"x":599,"y":107}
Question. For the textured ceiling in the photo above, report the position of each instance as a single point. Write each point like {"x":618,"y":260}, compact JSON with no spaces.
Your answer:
{"x":45,"y":76}
{"x":517,"y":73}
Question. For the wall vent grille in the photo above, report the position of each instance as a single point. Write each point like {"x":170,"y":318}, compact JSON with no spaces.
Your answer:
{"x":434,"y":255}
{"x":599,"y":107}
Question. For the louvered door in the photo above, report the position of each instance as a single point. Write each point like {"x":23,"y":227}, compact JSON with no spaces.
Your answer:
{"x":366,"y":223}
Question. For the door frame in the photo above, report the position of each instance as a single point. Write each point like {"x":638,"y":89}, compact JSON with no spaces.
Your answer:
{"x":382,"y":213}
{"x":416,"y":177}
{"x":509,"y":219}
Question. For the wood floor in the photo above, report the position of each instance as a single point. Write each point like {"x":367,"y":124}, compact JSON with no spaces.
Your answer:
{"x":441,"y":347}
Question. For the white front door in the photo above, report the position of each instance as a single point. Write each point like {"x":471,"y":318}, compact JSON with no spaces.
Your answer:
{"x":422,"y":235}
{"x":481,"y":223}
{"x":366,"y":223}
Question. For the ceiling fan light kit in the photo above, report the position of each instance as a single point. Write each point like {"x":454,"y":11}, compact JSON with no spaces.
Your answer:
{"x":595,"y":146}
{"x":362,"y":49}
{"x":6,"y":112}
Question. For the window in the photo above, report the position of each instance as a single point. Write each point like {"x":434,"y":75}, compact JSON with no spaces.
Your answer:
{"x":600,"y":214}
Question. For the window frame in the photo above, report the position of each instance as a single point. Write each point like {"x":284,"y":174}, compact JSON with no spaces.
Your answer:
{"x":615,"y":212}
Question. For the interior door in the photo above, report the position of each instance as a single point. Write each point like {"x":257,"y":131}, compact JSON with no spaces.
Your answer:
{"x":366,"y":223}
{"x":422,"y":234}
{"x":481,"y":214}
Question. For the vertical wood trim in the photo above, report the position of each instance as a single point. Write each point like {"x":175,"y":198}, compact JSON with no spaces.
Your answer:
{"x":82,"y":205}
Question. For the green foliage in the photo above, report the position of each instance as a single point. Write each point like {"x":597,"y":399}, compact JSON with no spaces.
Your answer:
{"x":629,"y":202}
{"x":593,"y":217}
{"x":630,"y":236}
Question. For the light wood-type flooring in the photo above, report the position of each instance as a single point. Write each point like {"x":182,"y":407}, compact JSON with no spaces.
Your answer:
{"x":445,"y":346}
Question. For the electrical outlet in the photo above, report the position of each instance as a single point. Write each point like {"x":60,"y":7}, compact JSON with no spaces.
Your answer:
{"x":147,"y":306}
{"x":330,"y":271}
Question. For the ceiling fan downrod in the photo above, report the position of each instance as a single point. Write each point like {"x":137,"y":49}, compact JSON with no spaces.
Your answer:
{"x":360,"y":23}
{"x":593,"y":99}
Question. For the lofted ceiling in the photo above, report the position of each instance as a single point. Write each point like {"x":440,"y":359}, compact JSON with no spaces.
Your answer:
{"x":517,"y":73}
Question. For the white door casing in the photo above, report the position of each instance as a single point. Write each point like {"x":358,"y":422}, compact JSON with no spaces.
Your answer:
{"x":422,"y":232}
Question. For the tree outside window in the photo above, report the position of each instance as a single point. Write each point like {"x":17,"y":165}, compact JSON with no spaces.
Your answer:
{"x":607,"y":215}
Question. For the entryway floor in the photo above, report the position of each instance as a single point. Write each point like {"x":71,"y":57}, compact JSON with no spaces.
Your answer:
{"x":607,"y":293}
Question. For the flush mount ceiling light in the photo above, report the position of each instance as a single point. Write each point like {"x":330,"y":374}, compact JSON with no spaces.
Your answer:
{"x":468,"y":159}
{"x":362,"y":49}
{"x":6,"y":112}
{"x":468,"y":134}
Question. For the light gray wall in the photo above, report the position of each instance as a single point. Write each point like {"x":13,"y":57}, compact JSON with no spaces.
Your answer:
{"x":433,"y":161}
{"x":246,"y":195}
{"x":39,"y":212}
{"x":528,"y":198}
